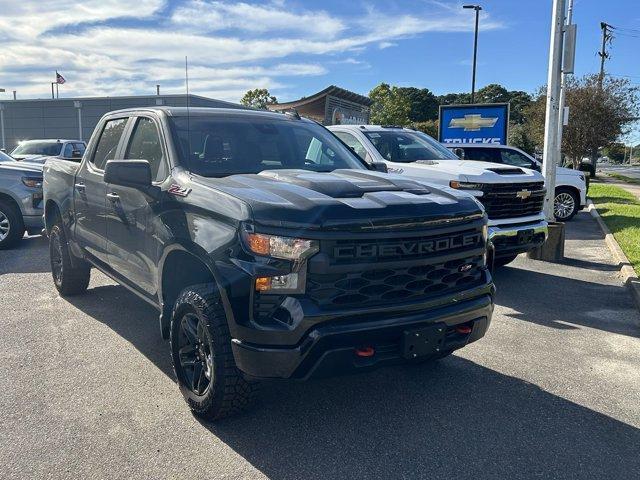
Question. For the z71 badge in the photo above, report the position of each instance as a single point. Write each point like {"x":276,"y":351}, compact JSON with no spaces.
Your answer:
{"x":178,"y":190}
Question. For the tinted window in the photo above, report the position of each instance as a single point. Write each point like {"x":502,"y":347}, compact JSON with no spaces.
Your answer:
{"x":214,"y":146}
{"x":482,"y":154}
{"x":108,"y":142}
{"x":511,"y":157}
{"x":145,"y":145}
{"x":352,"y":142}
{"x":38,"y":148}
{"x":79,"y":147}
{"x":68,"y":150}
{"x":407,"y":146}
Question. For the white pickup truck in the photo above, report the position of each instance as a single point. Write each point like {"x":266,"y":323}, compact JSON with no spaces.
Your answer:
{"x":571,"y":186}
{"x":512,"y":197}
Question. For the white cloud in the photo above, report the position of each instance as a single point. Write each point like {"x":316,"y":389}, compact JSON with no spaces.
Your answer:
{"x":231,"y":46}
{"x":209,"y":16}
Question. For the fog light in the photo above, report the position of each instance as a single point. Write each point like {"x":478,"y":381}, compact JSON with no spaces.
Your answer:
{"x":279,"y":282}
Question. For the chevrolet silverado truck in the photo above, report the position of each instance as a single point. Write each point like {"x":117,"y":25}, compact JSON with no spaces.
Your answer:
{"x":20,"y":201}
{"x":39,"y":151}
{"x":571,"y":185}
{"x":269,"y":249}
{"x":512,"y":197}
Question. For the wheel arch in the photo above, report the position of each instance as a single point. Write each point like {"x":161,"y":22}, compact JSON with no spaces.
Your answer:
{"x":51,"y":212}
{"x":181,"y":266}
{"x":5,"y":197}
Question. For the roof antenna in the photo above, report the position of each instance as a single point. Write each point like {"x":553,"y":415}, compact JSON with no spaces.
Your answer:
{"x":186,"y":78}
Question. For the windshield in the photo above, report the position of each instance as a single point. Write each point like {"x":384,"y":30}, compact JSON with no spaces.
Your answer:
{"x":407,"y":146}
{"x":214,"y":146}
{"x":38,"y":148}
{"x":5,"y":158}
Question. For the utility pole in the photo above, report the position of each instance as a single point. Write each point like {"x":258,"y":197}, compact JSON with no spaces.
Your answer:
{"x":552,"y":116}
{"x":606,"y":37}
{"x":563,"y":82}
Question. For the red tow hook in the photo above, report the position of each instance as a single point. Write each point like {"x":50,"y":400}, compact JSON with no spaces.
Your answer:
{"x":365,"y":352}
{"x":463,"y":329}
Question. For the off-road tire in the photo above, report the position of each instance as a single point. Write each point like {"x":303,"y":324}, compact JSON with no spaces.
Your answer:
{"x":228,"y":392}
{"x":502,"y":261}
{"x":69,"y":277}
{"x":11,"y":216}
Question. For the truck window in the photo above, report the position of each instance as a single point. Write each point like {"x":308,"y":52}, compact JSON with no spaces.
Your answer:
{"x":68,"y":150}
{"x":215,"y":146}
{"x":511,"y":157}
{"x":482,"y":154}
{"x":407,"y":146}
{"x":145,"y":145}
{"x":108,"y":142}
{"x":352,"y":142}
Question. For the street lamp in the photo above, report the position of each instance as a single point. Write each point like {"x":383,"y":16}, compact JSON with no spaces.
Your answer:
{"x":477,"y":8}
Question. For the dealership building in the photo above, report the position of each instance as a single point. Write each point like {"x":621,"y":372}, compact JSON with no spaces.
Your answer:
{"x":75,"y":118}
{"x":331,"y":106}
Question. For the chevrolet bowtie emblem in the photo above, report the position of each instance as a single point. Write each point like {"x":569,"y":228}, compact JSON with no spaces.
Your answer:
{"x":523,"y":194}
{"x":473,"y":122}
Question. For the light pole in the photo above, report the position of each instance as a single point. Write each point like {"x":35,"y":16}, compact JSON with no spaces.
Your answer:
{"x":477,"y":8}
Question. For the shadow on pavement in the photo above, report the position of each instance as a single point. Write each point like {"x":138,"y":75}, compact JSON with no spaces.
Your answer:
{"x":452,"y":419}
{"x":18,"y":260}
{"x":455,"y":419}
{"x":557,"y":299}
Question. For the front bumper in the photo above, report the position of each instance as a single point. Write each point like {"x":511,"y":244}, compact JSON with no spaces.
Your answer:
{"x":330,"y":348}
{"x":514,"y":239}
{"x":33,"y":222}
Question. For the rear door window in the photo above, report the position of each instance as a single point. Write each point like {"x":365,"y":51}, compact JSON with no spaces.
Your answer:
{"x":482,"y":154}
{"x":108,"y":142}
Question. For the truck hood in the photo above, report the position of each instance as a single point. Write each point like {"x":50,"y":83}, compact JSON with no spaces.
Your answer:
{"x":568,"y":171}
{"x":26,"y":167}
{"x":474,"y":171}
{"x":343,"y":199}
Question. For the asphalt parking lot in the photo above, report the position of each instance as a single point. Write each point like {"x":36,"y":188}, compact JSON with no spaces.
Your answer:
{"x":551,"y":392}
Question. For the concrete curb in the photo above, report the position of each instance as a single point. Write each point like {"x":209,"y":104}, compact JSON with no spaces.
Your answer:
{"x":628,"y":273}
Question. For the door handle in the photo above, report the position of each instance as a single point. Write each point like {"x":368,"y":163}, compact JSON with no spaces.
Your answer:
{"x":113,"y":197}
{"x":80,"y":187}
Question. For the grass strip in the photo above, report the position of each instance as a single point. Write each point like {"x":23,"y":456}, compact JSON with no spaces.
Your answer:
{"x":620,"y":211}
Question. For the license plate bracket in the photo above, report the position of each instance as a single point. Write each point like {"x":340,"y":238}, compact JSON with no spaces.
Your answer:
{"x":525,"y":236}
{"x":425,"y":341}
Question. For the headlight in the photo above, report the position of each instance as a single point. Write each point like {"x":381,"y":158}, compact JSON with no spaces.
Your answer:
{"x":465,"y":185}
{"x":287,"y":248}
{"x":279,"y":283}
{"x":32,"y":182}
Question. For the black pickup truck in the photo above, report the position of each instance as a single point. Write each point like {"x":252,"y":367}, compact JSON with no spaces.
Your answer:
{"x":268,"y":247}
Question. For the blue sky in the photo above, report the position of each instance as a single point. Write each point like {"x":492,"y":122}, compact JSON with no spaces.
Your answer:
{"x":292,"y":47}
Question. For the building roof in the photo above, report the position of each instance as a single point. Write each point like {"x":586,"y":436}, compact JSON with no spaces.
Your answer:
{"x":330,"y":90}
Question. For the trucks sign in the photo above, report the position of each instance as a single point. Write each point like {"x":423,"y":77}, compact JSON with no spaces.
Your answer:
{"x":480,"y":123}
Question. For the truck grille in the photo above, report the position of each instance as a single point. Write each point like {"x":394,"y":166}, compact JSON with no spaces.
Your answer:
{"x":513,"y":200}
{"x":388,"y":285}
{"x":360,"y":272}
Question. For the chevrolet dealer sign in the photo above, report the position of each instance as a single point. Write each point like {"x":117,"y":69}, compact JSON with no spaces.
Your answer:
{"x":481,"y":123}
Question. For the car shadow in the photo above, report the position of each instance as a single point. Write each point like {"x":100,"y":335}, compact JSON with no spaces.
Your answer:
{"x":18,"y":260}
{"x":455,"y":419}
{"x":450,"y":419}
{"x":560,"y":302}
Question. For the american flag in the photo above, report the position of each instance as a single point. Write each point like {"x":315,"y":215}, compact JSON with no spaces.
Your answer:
{"x":60,"y":79}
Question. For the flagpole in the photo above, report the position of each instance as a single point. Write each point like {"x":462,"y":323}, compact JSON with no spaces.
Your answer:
{"x":52,"y":95}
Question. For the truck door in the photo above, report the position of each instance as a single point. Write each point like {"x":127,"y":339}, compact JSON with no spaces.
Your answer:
{"x":90,"y":191}
{"x":130,"y":212}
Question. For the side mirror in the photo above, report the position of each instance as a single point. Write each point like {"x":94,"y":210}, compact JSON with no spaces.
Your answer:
{"x":128,"y":173}
{"x":378,"y":167}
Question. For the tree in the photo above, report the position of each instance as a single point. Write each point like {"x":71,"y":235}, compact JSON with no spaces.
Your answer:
{"x":424,"y":104}
{"x":430,"y":127}
{"x":258,"y":98}
{"x":454,"y":99}
{"x":616,"y":151}
{"x":597,"y":117}
{"x":390,"y":106}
